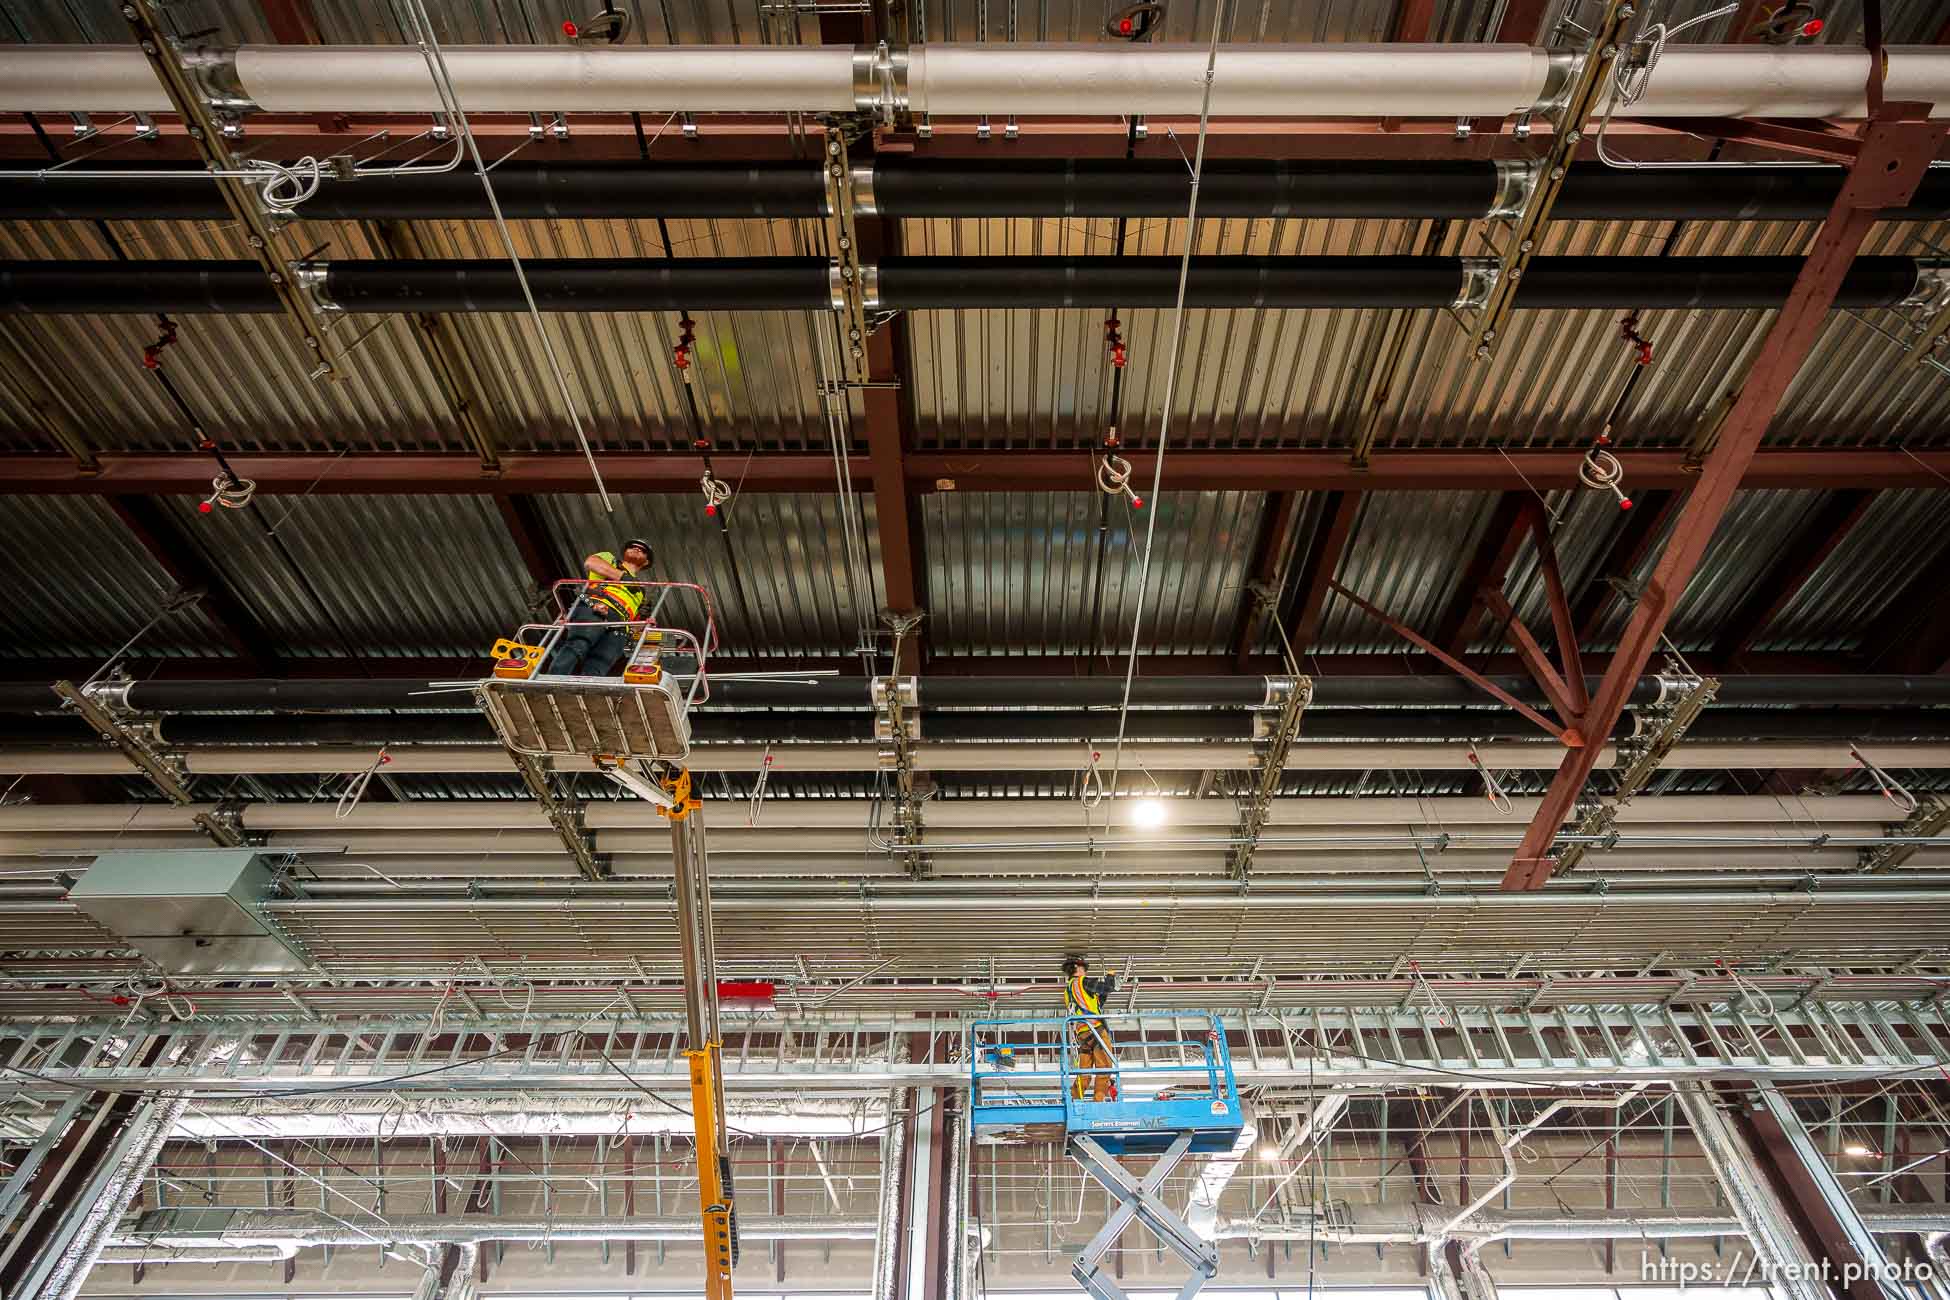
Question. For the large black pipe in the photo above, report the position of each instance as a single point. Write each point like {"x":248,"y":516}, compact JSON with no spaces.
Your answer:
{"x":952,"y":187}
{"x":190,"y":287}
{"x":1242,"y":692}
{"x":763,"y":726}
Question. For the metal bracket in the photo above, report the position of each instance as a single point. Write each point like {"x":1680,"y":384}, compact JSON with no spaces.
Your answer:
{"x":1254,"y":810}
{"x":211,"y":138}
{"x":1932,"y":817}
{"x":565,"y":815}
{"x":164,"y":770}
{"x":896,"y":730}
{"x":1522,"y":227}
{"x":225,"y":825}
{"x":1642,"y":751}
{"x":852,"y":294}
{"x":1931,"y":296}
{"x":1138,"y":1199}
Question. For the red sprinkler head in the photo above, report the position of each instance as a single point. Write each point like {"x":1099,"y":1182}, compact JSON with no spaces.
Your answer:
{"x":1624,"y":503}
{"x":1125,"y":26}
{"x":1812,"y":27}
{"x":710,"y":510}
{"x":1137,"y":503}
{"x":569,"y":30}
{"x":204,"y":508}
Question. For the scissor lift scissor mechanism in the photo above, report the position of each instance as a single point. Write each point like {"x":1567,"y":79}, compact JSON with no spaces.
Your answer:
{"x":1171,"y":1098}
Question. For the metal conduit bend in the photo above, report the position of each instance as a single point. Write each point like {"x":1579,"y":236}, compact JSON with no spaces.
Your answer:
{"x":195,"y":287}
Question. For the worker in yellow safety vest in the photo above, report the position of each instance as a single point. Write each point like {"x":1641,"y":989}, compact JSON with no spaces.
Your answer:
{"x":601,"y":622}
{"x":1083,"y":996}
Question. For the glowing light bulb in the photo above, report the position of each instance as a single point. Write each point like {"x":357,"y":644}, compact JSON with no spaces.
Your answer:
{"x":1267,"y":1151}
{"x":1857,"y":1149}
{"x":1148,"y":814}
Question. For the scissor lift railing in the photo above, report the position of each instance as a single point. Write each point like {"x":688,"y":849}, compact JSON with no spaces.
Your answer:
{"x":1170,"y":1096}
{"x":641,"y":715}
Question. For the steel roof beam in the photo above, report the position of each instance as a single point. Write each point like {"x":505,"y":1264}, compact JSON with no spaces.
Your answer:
{"x":1485,"y":469}
{"x":1893,"y":158}
{"x":1795,"y":563}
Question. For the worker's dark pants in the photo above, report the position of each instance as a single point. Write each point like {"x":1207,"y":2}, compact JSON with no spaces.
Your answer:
{"x":586,"y":649}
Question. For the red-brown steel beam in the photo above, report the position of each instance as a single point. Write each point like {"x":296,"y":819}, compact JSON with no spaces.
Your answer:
{"x":888,"y":422}
{"x":1263,"y":592}
{"x":149,"y":523}
{"x":1495,"y":552}
{"x":1567,"y":734}
{"x":529,"y":531}
{"x":460,"y":473}
{"x":1644,"y":524}
{"x":1893,"y":158}
{"x":1795,"y":564}
{"x":1563,"y":625}
{"x":1535,"y":661}
{"x":1332,"y":533}
{"x":291,"y":21}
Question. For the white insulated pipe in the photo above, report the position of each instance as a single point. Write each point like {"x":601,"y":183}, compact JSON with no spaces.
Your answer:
{"x":1292,"y":81}
{"x":282,"y":1228}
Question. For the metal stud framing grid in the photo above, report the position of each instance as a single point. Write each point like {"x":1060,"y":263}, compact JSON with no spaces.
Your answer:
{"x":1325,"y":1046}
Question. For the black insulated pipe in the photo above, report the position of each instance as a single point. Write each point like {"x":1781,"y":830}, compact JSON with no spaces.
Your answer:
{"x":953,"y":187}
{"x":1069,"y":693}
{"x":766,"y":726}
{"x":918,"y":283}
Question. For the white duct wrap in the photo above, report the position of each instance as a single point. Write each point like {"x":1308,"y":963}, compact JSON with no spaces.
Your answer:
{"x":1249,"y":81}
{"x":1296,"y":81}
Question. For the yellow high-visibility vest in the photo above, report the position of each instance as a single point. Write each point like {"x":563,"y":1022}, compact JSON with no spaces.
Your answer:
{"x":627,"y":601}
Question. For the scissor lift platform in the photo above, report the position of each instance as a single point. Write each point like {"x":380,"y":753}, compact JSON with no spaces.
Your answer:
{"x":1173,"y":1094}
{"x":567,"y":717}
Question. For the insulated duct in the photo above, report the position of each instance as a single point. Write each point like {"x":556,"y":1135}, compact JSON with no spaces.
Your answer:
{"x":1327,"y":80}
{"x":898,"y":186}
{"x":195,"y":287}
{"x":811,"y":1117}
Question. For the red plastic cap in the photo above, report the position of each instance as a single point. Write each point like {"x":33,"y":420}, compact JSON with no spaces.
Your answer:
{"x":710,"y":510}
{"x":1137,"y":503}
{"x":1124,"y":25}
{"x":1624,"y":503}
{"x":1812,"y":27}
{"x":1604,"y":440}
{"x":569,"y":30}
{"x":204,"y":508}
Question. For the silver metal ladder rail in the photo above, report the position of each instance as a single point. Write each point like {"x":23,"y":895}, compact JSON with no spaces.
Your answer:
{"x":1138,"y":1199}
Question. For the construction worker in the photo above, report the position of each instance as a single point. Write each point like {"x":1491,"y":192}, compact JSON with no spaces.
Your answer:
{"x":1083,"y":996}
{"x":599,"y":629}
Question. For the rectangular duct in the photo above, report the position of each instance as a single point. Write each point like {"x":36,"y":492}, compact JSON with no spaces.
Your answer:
{"x":193,"y":912}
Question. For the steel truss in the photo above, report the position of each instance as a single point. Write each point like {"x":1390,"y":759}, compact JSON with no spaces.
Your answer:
{"x":1419,"y":1044}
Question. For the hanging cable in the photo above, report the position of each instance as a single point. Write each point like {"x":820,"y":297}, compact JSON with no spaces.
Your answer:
{"x":1171,"y":382}
{"x":1093,"y":780}
{"x":355,"y":785}
{"x":757,"y":801}
{"x":1889,"y":787}
{"x":1492,"y":787}
{"x":444,"y":81}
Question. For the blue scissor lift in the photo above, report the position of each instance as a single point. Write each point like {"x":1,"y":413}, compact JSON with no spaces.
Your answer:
{"x":1173,"y":1096}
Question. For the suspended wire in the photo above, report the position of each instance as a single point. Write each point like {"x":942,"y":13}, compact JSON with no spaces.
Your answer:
{"x":444,"y":83}
{"x":1171,"y":386}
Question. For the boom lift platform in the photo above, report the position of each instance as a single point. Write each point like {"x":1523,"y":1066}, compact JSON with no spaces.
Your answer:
{"x":1171,"y":1097}
{"x":636,"y":730}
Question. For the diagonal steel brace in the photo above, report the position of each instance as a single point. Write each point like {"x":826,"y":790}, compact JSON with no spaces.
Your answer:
{"x":1138,"y":1199}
